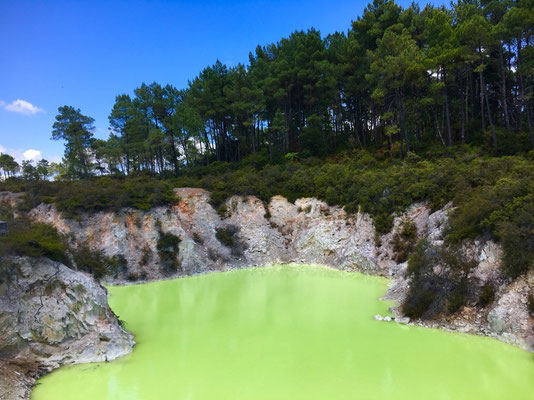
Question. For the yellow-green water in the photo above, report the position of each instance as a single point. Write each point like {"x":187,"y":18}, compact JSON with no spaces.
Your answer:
{"x":289,"y":332}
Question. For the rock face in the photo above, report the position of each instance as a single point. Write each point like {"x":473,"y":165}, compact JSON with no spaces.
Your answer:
{"x":63,"y":315}
{"x":308,"y":231}
{"x":51,"y":315}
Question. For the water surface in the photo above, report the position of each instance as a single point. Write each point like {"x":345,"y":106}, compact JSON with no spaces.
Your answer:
{"x":288,"y":332}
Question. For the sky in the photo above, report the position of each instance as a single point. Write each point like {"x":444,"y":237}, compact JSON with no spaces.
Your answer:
{"x":84,"y":53}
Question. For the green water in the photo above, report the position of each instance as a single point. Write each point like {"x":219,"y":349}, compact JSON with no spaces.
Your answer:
{"x":286,"y":333}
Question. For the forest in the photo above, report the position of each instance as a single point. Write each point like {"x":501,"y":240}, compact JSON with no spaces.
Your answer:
{"x":399,"y":80}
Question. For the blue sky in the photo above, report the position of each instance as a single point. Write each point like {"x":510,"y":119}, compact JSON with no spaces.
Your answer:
{"x":84,"y":53}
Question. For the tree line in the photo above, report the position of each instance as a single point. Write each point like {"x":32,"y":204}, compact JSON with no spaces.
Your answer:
{"x":400,"y":79}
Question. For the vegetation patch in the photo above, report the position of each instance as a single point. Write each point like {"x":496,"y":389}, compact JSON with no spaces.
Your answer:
{"x":168,"y":248}
{"x":97,"y":263}
{"x":228,"y":237}
{"x":439,"y":280}
{"x":25,"y":238}
{"x":404,"y":241}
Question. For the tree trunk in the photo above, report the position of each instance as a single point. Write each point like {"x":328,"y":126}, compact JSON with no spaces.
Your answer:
{"x":493,"y":135}
{"x":436,"y":125}
{"x":503,"y":91}
{"x":403,"y":121}
{"x":447,"y":114}
{"x":483,"y":123}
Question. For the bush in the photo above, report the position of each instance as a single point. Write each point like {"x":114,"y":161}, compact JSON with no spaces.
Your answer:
{"x":168,"y":248}
{"x":98,"y":194}
{"x":493,"y":196}
{"x":94,"y":262}
{"x":439,"y":282}
{"x":228,"y":237}
{"x":25,"y":238}
{"x":404,"y":241}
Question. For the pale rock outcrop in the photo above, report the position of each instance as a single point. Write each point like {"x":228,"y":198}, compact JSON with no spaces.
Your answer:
{"x":308,"y":231}
{"x":51,"y":315}
{"x":509,"y":318}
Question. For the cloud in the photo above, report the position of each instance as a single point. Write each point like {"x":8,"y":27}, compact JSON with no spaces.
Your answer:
{"x":31,"y":154}
{"x":2,"y":103}
{"x":23,"y":107}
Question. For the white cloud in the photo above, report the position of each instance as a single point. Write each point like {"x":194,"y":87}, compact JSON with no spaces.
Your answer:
{"x":31,"y":154}
{"x":23,"y":107}
{"x":2,"y":103}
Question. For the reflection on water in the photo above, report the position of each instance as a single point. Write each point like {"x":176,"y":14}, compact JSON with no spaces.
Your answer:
{"x":286,"y":333}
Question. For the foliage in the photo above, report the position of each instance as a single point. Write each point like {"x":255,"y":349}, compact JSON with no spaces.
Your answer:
{"x":74,"y":198}
{"x":25,"y":238}
{"x":227,"y":235}
{"x":404,"y":241}
{"x":168,"y":248}
{"x":36,"y":239}
{"x":493,"y":196}
{"x":95,"y":262}
{"x":146,"y":255}
{"x":439,"y":281}
{"x":76,"y":130}
{"x":399,"y":80}
{"x":8,"y":165}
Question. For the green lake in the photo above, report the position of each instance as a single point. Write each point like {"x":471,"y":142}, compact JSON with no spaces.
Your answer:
{"x":286,"y":332}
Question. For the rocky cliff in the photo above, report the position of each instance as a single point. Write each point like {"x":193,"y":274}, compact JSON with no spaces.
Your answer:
{"x":51,"y":315}
{"x":308,"y":231}
{"x":247,"y":232}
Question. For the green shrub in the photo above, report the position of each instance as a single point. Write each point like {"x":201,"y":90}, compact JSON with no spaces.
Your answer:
{"x":98,"y":194}
{"x":94,"y":262}
{"x":439,"y":280}
{"x":26,"y":238}
{"x":228,"y":237}
{"x":404,"y":241}
{"x":132,"y":277}
{"x":168,"y":248}
{"x":222,"y":211}
{"x":493,"y":196}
